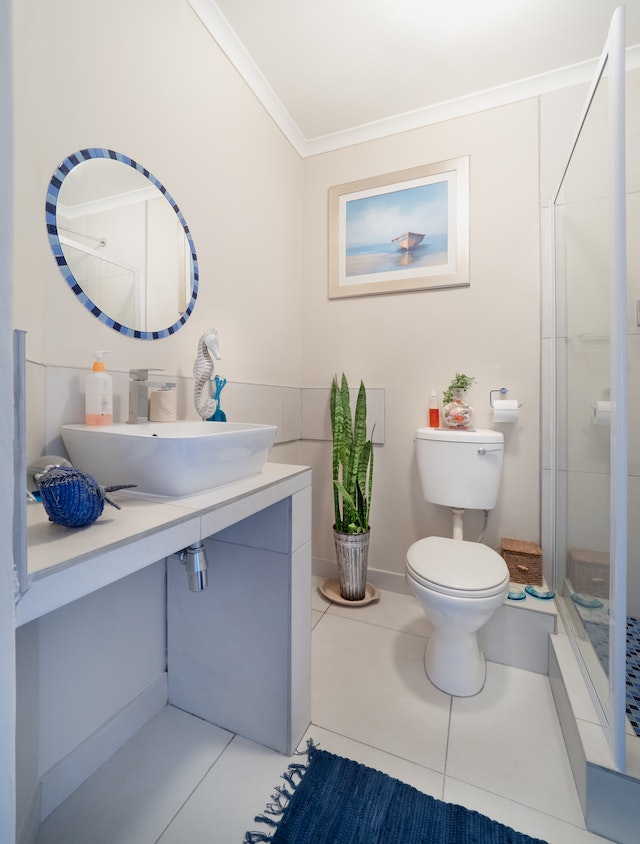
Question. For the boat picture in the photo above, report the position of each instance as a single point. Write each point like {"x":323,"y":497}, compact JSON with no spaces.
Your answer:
{"x":408,"y":241}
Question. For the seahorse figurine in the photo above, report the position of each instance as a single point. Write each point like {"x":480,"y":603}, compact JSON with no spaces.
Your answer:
{"x":203,"y":370}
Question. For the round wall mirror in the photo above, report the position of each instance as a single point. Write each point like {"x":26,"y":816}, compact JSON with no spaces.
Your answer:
{"x":122,"y":244}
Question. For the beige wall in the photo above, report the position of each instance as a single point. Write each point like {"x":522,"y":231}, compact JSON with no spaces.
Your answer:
{"x":410,"y":343}
{"x":145,"y":78}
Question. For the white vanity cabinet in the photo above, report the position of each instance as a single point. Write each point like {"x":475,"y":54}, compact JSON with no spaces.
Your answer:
{"x":107,"y":602}
{"x":239,"y":653}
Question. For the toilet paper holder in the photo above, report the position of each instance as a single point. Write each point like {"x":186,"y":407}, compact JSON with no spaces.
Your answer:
{"x":503,"y":391}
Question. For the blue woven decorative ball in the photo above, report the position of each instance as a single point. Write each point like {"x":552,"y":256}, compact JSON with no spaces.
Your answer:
{"x":72,"y":498}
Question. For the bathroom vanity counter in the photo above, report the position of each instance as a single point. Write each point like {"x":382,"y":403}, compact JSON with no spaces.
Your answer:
{"x":109,"y":615}
{"x":64,"y":563}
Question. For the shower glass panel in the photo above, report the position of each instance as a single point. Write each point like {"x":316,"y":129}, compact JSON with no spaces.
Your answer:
{"x":582,"y":219}
{"x":591,"y":470}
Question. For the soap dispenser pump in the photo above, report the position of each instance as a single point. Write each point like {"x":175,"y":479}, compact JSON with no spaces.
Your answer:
{"x":98,"y":394}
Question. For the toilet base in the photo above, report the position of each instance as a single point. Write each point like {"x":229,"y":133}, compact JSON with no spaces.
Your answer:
{"x":455,"y":664}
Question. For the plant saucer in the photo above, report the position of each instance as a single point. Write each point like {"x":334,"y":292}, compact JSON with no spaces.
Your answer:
{"x":331,"y":591}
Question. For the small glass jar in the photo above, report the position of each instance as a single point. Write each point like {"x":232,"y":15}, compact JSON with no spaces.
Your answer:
{"x":458,"y":413}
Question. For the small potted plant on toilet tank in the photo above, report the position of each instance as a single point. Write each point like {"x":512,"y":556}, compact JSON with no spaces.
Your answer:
{"x":456,"y":412}
{"x":352,"y":487}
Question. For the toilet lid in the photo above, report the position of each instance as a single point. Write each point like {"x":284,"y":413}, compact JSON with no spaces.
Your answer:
{"x":457,"y":566}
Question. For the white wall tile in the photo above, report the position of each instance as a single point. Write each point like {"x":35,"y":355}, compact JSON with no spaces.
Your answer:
{"x":316,"y":417}
{"x":291,"y":414}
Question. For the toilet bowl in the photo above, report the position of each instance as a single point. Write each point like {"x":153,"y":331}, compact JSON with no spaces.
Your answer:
{"x":459,"y":586}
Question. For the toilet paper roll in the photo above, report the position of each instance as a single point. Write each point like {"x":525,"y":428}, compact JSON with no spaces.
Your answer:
{"x":505,"y":410}
{"x":162,"y":406}
{"x":602,"y":413}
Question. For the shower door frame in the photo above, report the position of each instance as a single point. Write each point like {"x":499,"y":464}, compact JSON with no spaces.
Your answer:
{"x":613,"y":59}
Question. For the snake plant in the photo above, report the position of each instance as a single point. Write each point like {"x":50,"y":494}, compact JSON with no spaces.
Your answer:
{"x":352,"y":459}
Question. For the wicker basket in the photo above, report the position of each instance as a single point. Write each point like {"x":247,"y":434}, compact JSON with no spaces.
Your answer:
{"x":524,"y":561}
{"x":588,"y":571}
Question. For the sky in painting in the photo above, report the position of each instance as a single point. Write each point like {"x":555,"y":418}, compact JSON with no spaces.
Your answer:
{"x":378,"y":219}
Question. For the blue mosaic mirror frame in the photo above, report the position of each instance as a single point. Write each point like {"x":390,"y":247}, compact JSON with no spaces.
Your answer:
{"x":62,"y":171}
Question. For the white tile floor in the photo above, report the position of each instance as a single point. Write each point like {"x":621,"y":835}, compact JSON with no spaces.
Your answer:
{"x":501,"y":752}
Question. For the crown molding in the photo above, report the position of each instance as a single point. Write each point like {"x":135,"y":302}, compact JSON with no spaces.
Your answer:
{"x":534,"y":86}
{"x":220,"y":30}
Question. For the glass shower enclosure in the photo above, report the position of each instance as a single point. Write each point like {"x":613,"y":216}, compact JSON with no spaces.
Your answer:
{"x":594,"y":316}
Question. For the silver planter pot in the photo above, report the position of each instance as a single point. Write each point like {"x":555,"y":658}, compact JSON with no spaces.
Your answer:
{"x":352,"y":553}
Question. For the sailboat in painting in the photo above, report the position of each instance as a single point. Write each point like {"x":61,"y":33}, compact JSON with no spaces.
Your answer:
{"x":408,"y":241}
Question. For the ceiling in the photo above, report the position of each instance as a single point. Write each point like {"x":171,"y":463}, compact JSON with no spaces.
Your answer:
{"x":333,"y":72}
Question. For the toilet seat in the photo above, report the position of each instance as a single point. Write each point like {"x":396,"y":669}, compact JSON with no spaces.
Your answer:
{"x":457,"y":567}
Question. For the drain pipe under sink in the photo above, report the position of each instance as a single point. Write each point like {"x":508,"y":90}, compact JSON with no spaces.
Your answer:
{"x":194,"y":557}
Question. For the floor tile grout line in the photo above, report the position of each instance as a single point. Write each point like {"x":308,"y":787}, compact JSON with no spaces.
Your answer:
{"x":517,"y":802}
{"x":196,"y":787}
{"x":373,"y":624}
{"x":446,"y":746}
{"x":373,"y":747}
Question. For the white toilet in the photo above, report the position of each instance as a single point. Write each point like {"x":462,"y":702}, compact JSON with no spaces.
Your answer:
{"x":458,"y":584}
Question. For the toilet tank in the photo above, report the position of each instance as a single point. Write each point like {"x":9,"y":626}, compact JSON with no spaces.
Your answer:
{"x":460,"y":468}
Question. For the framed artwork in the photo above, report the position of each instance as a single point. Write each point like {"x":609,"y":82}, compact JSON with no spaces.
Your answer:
{"x":407,"y":230}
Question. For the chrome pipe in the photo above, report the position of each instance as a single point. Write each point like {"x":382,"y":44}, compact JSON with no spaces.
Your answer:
{"x":194,"y":557}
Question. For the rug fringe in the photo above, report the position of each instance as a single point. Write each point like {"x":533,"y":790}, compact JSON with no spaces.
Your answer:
{"x":256,"y":838}
{"x":281,"y":796}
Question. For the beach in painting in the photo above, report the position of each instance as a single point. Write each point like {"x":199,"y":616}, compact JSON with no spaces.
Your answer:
{"x":386,"y":257}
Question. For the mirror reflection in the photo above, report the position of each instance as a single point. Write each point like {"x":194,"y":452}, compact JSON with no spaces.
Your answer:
{"x":122,"y":243}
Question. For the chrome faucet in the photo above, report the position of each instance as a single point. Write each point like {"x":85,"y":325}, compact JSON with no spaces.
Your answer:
{"x":139,"y":394}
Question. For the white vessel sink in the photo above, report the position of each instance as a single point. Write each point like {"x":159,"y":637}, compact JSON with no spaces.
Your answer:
{"x":169,"y":458}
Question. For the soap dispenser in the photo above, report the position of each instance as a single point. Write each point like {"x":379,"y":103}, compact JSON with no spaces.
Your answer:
{"x":99,"y":394}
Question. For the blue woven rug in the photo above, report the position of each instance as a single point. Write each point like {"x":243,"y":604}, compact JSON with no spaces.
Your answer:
{"x":331,"y":800}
